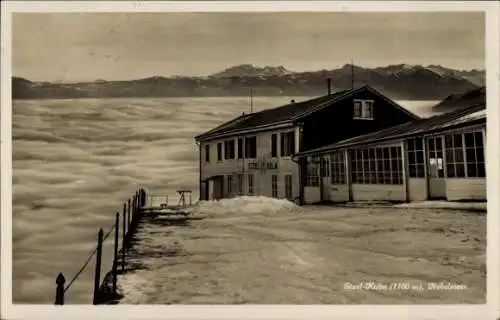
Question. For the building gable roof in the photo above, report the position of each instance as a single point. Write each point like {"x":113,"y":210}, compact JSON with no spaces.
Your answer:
{"x":350,"y":93}
{"x":290,"y":113}
{"x":268,"y":117}
{"x":435,"y":123}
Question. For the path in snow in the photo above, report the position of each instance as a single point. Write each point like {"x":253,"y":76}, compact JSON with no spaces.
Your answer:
{"x":265,"y":251}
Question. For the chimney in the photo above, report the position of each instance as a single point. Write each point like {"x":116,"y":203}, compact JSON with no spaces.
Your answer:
{"x":329,"y":82}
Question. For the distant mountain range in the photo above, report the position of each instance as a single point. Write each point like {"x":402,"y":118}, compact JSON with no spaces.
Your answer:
{"x":400,"y":82}
{"x":462,"y":100}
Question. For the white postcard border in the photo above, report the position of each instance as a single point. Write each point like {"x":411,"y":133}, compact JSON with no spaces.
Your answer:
{"x":488,"y":311}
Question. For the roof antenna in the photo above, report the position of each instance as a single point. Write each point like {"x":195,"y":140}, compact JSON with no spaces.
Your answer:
{"x":352,"y":74}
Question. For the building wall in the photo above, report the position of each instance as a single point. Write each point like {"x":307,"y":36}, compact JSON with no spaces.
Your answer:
{"x":262,"y":178}
{"x":339,"y":193}
{"x":312,"y":195}
{"x":337,"y":122}
{"x":417,"y":189}
{"x":326,"y":189}
{"x":376,"y":192}
{"x":466,"y":189}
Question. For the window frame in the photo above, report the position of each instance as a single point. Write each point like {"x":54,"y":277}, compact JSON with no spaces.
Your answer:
{"x":241,"y":148}
{"x":385,"y":168}
{"x":207,"y":153}
{"x":337,"y":168}
{"x":274,"y":186}
{"x":456,"y":147}
{"x":240,"y":180}
{"x":251,"y":147}
{"x":312,"y":173}
{"x":287,"y":143}
{"x":219,"y":151}
{"x":229,"y":149}
{"x":366,"y":109}
{"x":229,"y":184}
{"x":250,"y":184}
{"x":416,"y":157}
{"x":274,"y":145}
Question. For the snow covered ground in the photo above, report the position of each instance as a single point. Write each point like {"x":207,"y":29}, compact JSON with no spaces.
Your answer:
{"x":266,"y":251}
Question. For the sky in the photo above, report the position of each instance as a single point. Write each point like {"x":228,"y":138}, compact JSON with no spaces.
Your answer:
{"x":70,"y":47}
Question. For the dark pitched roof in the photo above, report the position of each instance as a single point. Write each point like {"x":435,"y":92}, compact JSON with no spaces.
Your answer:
{"x":270,"y":116}
{"x":435,"y":123}
{"x":289,"y":112}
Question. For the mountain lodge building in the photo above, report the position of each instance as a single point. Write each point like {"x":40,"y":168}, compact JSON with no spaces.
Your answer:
{"x":253,"y":154}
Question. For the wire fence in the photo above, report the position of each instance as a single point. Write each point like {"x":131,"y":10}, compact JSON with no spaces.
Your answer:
{"x":84,"y":266}
{"x":132,"y":211}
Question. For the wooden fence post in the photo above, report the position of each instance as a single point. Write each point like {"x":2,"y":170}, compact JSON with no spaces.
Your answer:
{"x":129,"y":213}
{"x":97,"y":276}
{"x":139,"y":203}
{"x":60,"y":281}
{"x":136,"y":205}
{"x":123,"y":235}
{"x":132,"y":214}
{"x":126,"y":219}
{"x":115,"y":261}
{"x":136,"y":208}
{"x":138,"y":199}
{"x":141,"y":198}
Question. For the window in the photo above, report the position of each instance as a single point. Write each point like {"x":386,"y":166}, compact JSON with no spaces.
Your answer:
{"x":288,"y":186}
{"x":363,"y":109}
{"x":274,"y":145}
{"x":229,"y":149}
{"x":287,"y":140}
{"x":240,"y":148}
{"x":207,"y":153}
{"x":240,"y":184}
{"x":219,"y":151}
{"x":312,"y":177}
{"x":337,"y":168}
{"x":229,"y":184}
{"x":251,"y":147}
{"x":274,"y":186}
{"x":325,"y":167}
{"x":377,"y":166}
{"x":357,"y":109}
{"x":465,"y":155}
{"x":250,"y":184}
{"x":455,"y":162}
{"x":416,"y":166}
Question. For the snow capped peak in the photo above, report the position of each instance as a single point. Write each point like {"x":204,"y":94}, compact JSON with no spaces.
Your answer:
{"x":252,"y":71}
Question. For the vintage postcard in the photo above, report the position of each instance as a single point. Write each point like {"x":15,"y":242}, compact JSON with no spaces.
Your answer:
{"x":222,"y":160}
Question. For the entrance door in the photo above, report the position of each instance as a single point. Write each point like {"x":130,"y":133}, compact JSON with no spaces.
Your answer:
{"x":205,"y":192}
{"x":435,"y":174}
{"x":215,"y":187}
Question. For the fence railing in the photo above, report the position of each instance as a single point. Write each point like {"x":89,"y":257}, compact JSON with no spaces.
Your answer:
{"x":131,"y":214}
{"x":184,"y":200}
